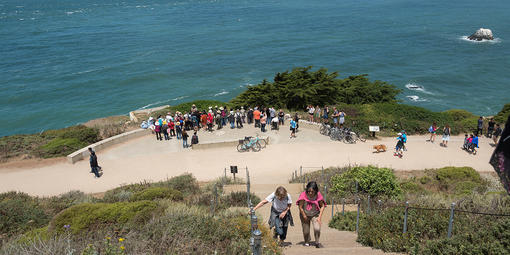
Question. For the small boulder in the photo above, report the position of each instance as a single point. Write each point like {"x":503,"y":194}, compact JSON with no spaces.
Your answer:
{"x":481,"y":34}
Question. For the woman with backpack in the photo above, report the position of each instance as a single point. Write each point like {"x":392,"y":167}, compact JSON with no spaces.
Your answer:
{"x":446,"y":135}
{"x":432,"y":131}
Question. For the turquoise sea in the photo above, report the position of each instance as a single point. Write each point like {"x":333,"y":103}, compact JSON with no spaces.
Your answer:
{"x":66,"y":62}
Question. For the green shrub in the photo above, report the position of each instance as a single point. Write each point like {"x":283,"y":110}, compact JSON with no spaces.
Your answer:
{"x":371,"y":180}
{"x":502,"y":116}
{"x":88,"y":216}
{"x":56,"y":204}
{"x":185,"y":183}
{"x":425,"y":179}
{"x":60,"y":147}
{"x":410,"y":186}
{"x":345,"y":222}
{"x":19,"y":213}
{"x":460,"y":180}
{"x":157,"y":193}
{"x":38,"y":234}
{"x":239,"y":199}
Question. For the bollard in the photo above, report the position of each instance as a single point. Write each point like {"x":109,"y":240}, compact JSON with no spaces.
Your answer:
{"x":356,"y":187}
{"x":323,"y":179}
{"x":357,"y":216}
{"x":332,"y":207}
{"x":450,"y":223}
{"x":257,"y":244}
{"x":368,"y":204}
{"x":343,"y":206}
{"x":405,"y":217}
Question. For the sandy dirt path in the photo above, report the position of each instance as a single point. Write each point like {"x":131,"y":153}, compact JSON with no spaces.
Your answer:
{"x":145,"y":158}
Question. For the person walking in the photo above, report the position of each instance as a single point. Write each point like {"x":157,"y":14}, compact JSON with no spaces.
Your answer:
{"x":293,"y":125}
{"x":446,"y":135}
{"x":280,"y":216}
{"x":311,"y":207}
{"x":93,"y":163}
{"x":184,"y":138}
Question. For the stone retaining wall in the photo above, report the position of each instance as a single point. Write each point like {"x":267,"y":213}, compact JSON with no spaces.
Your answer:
{"x":103,"y":144}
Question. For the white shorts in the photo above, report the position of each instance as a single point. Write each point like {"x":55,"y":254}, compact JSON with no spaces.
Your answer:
{"x":446,"y":138}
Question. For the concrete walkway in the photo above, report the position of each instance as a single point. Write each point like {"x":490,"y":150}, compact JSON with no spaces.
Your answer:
{"x":145,"y":158}
{"x":334,"y":241}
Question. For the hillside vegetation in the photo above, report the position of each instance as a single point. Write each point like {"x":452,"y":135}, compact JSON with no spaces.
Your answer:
{"x":175,"y":216}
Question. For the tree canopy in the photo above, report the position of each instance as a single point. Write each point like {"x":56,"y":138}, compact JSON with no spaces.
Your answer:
{"x":302,"y":86}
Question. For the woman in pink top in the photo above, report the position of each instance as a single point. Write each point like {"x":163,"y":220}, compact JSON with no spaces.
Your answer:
{"x":311,"y":206}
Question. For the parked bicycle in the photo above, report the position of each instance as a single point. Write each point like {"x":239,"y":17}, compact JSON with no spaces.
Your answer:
{"x":248,"y":143}
{"x":340,"y":134}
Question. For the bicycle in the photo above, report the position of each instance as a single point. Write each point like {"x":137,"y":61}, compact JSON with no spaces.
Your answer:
{"x":352,"y":137}
{"x":325,"y":129}
{"x":263,"y":142}
{"x":248,"y":143}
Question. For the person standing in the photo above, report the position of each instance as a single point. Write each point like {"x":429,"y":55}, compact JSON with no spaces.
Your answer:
{"x":490,"y":127}
{"x":281,"y":117}
{"x":446,"y":135}
{"x":93,"y":163}
{"x":497,"y":132}
{"x":433,"y":131}
{"x":263,"y":122}
{"x":336,"y":115}
{"x":250,"y":116}
{"x":341,"y":120}
{"x":280,"y":216}
{"x":480,"y":126}
{"x":184,"y":138}
{"x":325,"y":114}
{"x":311,"y":207}
{"x":256,"y":117}
{"x":178,"y":129}
{"x":317,"y":114}
{"x":311,"y":110}
{"x":157,"y":130}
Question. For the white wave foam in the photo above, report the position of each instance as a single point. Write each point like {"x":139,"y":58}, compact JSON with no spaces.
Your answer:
{"x":415,"y":98}
{"x":178,"y":98}
{"x":149,"y":105}
{"x":417,"y":87}
{"x":221,"y":93}
{"x":465,"y":38}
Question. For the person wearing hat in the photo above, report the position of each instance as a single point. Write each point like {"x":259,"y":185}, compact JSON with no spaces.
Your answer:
{"x":239,"y":121}
{"x":249,"y":115}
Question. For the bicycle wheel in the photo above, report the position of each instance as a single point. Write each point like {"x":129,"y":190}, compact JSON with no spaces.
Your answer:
{"x":349,"y":139}
{"x":262,"y":142}
{"x":256,"y":147}
{"x":323,"y":130}
{"x":241,"y":148}
{"x":361,"y":138}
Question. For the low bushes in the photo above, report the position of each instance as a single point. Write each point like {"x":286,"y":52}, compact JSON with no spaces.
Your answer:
{"x":157,"y":193}
{"x":346,"y":222}
{"x":19,"y":213}
{"x":239,"y":199}
{"x":502,"y":115}
{"x":371,"y":180}
{"x":86,"y":217}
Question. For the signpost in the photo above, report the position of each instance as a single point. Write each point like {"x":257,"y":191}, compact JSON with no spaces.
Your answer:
{"x":373,"y":129}
{"x":233,"y":170}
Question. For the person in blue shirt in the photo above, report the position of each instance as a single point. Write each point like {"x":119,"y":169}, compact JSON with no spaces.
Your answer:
{"x":399,"y":146}
{"x":404,"y":139}
{"x":293,"y":125}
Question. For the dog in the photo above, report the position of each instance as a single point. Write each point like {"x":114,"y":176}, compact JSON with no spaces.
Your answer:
{"x":379,"y":148}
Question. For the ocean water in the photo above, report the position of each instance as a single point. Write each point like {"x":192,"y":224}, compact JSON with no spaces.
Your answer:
{"x":66,"y":62}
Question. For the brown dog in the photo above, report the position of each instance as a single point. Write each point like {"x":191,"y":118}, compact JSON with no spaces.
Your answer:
{"x":379,"y":148}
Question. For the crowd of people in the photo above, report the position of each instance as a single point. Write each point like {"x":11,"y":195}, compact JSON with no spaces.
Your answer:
{"x":180,"y":124}
{"x":316,"y":114}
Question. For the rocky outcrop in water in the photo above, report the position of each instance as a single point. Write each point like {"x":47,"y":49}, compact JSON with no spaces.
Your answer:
{"x":481,"y":34}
